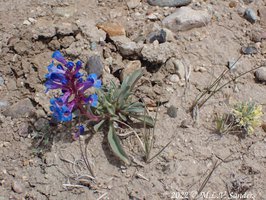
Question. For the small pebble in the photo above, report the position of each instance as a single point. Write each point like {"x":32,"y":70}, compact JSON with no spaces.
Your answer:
{"x":200,"y":69}
{"x":249,"y":50}
{"x":261,"y":74}
{"x":26,"y":22}
{"x":1,"y":80}
{"x":185,"y":123}
{"x":32,"y":20}
{"x":172,"y":111}
{"x":174,"y":78}
{"x":17,"y":187}
{"x":232,"y":4}
{"x":250,"y":15}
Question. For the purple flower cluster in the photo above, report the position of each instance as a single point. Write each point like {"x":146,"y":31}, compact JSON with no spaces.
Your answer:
{"x":74,"y":88}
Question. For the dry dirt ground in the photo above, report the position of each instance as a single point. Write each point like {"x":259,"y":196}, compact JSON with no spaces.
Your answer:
{"x":41,"y":162}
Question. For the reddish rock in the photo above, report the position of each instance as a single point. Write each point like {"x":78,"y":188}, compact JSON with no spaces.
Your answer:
{"x":112,"y":28}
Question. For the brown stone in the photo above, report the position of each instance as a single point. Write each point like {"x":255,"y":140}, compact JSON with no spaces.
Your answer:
{"x":232,"y":4}
{"x":112,"y":28}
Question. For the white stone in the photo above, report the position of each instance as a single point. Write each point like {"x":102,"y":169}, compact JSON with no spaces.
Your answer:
{"x":26,"y":22}
{"x":186,"y":18}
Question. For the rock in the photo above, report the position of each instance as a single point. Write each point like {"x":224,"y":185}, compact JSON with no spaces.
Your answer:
{"x":41,"y":124}
{"x":172,"y":111}
{"x":91,"y":32}
{"x":262,"y":13}
{"x":152,"y":16}
{"x":169,"y":3}
{"x":2,"y":81}
{"x":93,"y":46}
{"x":66,"y":28}
{"x":160,"y":36}
{"x":65,"y":11}
{"x":158,"y":53}
{"x":75,"y":49}
{"x":169,"y":35}
{"x":250,"y":15}
{"x":23,"y":129}
{"x":44,"y":31}
{"x":263,"y":47}
{"x":17,"y":187}
{"x":256,"y":37}
{"x":67,"y":41}
{"x":32,"y":20}
{"x":94,"y":65}
{"x":249,"y":50}
{"x":131,"y":4}
{"x":54,"y":44}
{"x":260,"y":74}
{"x":125,"y":46}
{"x":26,"y":22}
{"x":186,"y":18}
{"x":232,"y":4}
{"x":157,"y":78}
{"x":185,"y":123}
{"x":23,"y":108}
{"x":3,"y":104}
{"x":22,"y":46}
{"x":130,"y":68}
{"x":200,"y":69}
{"x":174,"y":78}
{"x":180,"y":69}
{"x":112,"y":29}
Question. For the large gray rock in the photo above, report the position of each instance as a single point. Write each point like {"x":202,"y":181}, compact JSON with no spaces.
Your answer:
{"x":23,"y":108}
{"x":91,"y":32}
{"x":169,"y":3}
{"x":66,"y":28}
{"x":158,"y":53}
{"x":94,"y":65}
{"x":125,"y":46}
{"x":186,"y":18}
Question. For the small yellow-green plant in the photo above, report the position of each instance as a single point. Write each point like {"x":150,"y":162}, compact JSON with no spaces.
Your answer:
{"x":247,"y":116}
{"x":244,"y":118}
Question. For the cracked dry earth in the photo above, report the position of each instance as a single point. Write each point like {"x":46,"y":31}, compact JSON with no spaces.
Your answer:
{"x":41,"y":162}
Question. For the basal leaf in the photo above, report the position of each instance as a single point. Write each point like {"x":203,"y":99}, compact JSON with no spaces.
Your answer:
{"x":97,"y":126}
{"x":115,"y":144}
{"x":144,"y":118}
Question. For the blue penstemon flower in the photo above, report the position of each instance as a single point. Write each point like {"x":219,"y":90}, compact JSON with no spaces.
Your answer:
{"x":74,"y":88}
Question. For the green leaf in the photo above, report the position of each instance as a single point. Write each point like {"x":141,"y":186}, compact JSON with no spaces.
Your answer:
{"x":136,"y":107}
{"x":97,"y":126}
{"x":144,"y":118}
{"x":115,"y":144}
{"x":123,"y":117}
{"x":133,"y":78}
{"x":127,"y":85}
